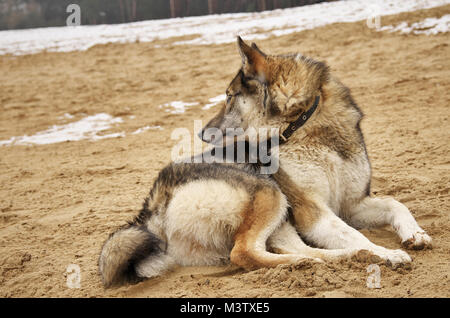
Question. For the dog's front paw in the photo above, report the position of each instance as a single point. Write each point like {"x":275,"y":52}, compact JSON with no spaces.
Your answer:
{"x":419,"y":241}
{"x":393,"y":258}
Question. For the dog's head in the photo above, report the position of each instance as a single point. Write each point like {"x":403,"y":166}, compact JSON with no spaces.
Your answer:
{"x":268,"y":91}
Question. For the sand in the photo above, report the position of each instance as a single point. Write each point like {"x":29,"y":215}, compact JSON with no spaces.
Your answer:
{"x":59,"y":202}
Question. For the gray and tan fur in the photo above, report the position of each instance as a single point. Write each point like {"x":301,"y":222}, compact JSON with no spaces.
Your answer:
{"x":205,"y":214}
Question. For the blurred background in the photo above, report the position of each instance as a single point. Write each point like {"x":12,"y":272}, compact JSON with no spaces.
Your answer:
{"x":22,"y":14}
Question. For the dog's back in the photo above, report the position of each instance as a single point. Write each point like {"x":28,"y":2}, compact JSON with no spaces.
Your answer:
{"x":190,"y":217}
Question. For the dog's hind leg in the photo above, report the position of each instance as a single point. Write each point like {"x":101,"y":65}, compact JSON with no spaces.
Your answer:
{"x":264,"y":213}
{"x":286,"y":240}
{"x":375,"y":212}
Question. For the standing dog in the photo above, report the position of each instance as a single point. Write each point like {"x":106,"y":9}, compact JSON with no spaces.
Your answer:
{"x":204,"y":214}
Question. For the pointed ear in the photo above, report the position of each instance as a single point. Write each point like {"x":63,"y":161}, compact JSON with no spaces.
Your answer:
{"x":257,"y":49}
{"x":254,"y":62}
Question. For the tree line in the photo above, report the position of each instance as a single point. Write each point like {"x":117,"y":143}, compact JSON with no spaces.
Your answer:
{"x":20,"y":14}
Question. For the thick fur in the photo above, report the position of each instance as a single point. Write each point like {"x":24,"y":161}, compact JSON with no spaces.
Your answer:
{"x":124,"y":249}
{"x":205,"y":214}
{"x":191,"y":217}
{"x":324,"y":168}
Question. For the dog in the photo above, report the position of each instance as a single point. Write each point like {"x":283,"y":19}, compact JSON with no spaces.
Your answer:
{"x":216,"y":213}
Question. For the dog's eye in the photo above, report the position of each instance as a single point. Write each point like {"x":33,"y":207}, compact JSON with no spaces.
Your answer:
{"x":230,"y":96}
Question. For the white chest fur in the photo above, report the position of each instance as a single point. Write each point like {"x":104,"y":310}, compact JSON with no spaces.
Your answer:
{"x":338,"y":182}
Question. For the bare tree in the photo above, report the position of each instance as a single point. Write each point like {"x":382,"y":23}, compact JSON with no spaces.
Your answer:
{"x":188,"y":9}
{"x":133,"y":10}
{"x":211,"y":6}
{"x":38,"y":13}
{"x":262,"y":5}
{"x":172,"y":9}
{"x":122,"y":10}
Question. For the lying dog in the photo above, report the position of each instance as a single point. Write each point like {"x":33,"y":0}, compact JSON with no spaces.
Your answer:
{"x":208,"y":214}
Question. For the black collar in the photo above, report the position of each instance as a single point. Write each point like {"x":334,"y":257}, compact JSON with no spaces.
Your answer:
{"x":301,"y":120}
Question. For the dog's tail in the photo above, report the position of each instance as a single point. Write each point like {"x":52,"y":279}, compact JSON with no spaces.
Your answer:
{"x":131,"y":254}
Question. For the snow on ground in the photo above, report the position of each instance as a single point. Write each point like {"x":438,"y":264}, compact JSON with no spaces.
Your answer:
{"x":177,"y":107}
{"x":429,"y":26}
{"x":66,"y":116}
{"x":144,"y":129}
{"x":214,"y":101}
{"x":90,"y":126}
{"x":86,"y":128}
{"x":212,"y":29}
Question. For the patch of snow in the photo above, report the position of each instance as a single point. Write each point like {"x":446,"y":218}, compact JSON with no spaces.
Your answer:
{"x":143,"y":129}
{"x":177,"y":107}
{"x":214,"y":101}
{"x":429,"y":26}
{"x":66,"y":116}
{"x":86,"y":128}
{"x":115,"y":135}
{"x":212,"y":29}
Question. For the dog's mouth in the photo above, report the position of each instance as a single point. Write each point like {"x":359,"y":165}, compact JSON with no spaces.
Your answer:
{"x":216,"y":141}
{"x":217,"y":137}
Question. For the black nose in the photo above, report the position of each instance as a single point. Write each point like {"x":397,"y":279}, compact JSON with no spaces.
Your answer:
{"x":204,"y":137}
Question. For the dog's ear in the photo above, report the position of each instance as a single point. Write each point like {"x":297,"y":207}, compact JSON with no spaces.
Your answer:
{"x":254,"y":46}
{"x":254,"y":61}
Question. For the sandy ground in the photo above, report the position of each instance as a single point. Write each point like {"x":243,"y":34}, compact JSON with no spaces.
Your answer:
{"x":59,"y":202}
